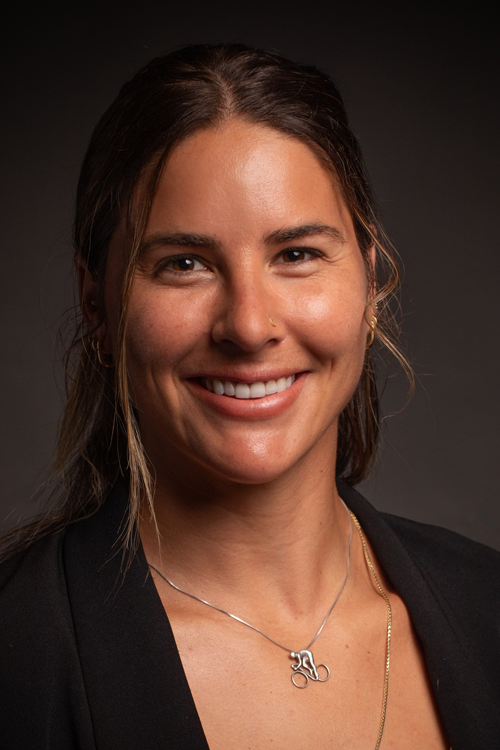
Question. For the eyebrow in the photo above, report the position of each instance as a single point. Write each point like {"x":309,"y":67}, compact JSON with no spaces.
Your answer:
{"x":278,"y":237}
{"x":182,"y":239}
{"x":291,"y":234}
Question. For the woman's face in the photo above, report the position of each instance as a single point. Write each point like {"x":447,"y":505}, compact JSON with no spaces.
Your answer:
{"x":246,"y":324}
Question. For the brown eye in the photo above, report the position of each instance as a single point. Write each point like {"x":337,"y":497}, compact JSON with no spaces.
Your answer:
{"x":180,"y":265}
{"x":292,"y":256}
{"x":183,"y":264}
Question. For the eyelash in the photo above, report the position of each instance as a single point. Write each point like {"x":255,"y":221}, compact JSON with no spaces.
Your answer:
{"x":173,"y":259}
{"x":305,"y":250}
{"x":186,"y":256}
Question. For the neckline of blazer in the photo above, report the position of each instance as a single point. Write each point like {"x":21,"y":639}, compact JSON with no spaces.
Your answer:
{"x":136,"y":687}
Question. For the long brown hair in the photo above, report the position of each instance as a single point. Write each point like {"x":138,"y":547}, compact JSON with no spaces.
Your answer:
{"x":171,"y":98}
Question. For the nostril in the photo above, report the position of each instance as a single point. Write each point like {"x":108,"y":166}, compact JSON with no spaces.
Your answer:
{"x":246,"y":331}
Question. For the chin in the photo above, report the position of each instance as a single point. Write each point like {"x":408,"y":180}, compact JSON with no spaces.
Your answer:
{"x":251,"y":467}
{"x":251,"y":475}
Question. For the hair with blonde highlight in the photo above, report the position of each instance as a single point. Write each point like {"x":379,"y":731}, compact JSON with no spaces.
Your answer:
{"x":171,"y":98}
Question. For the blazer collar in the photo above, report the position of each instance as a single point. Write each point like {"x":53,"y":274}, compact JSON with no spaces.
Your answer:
{"x":136,"y":687}
{"x":457,"y":679}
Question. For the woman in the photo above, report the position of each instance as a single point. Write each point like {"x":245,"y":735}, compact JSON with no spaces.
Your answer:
{"x":233,"y":276}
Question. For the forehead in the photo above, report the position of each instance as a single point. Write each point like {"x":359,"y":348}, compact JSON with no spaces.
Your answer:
{"x":240,"y":176}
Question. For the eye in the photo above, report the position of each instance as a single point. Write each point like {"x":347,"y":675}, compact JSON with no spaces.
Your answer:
{"x":182,"y":264}
{"x":291,"y":256}
{"x":296,"y":255}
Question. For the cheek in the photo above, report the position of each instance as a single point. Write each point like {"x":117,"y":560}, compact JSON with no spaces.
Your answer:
{"x":333,"y":324}
{"x":159,"y":336}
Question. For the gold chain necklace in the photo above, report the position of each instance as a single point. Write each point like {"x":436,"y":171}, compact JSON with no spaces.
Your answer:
{"x":389,"y":628}
{"x":305,"y":665}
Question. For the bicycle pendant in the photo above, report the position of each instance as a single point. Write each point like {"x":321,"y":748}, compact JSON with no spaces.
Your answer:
{"x":307,"y":668}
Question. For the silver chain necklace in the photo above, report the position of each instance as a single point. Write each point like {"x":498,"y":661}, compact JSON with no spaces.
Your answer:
{"x":304,"y":664}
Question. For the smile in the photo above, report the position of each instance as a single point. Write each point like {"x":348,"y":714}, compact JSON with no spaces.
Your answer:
{"x":247,"y":390}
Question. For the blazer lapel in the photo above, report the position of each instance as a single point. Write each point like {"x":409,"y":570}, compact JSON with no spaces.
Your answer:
{"x":457,"y":679}
{"x":136,"y":686}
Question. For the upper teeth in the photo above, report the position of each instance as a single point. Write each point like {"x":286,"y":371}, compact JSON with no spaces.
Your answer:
{"x":247,"y":390}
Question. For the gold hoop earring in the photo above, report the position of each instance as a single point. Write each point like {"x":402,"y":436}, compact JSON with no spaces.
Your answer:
{"x":96,"y":346}
{"x":371,"y":336}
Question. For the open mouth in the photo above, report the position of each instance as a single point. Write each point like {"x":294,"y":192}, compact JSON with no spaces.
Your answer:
{"x":247,"y":390}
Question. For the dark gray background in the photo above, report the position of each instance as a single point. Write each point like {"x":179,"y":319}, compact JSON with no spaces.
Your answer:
{"x":422,"y":92}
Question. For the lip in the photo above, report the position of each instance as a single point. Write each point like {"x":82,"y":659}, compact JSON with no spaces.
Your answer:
{"x":250,"y":376}
{"x":257,"y":408}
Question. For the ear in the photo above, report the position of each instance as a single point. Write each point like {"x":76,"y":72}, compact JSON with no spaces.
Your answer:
{"x":88,"y":292}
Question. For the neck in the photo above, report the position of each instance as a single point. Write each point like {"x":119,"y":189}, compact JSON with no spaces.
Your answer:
{"x":287,"y":538}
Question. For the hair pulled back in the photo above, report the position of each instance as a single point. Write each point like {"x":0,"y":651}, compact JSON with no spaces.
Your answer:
{"x":169,"y":99}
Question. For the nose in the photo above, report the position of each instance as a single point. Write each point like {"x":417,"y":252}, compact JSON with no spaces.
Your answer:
{"x":248,"y":316}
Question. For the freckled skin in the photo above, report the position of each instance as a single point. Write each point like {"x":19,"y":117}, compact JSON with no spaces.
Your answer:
{"x":247,"y":507}
{"x":238,"y":184}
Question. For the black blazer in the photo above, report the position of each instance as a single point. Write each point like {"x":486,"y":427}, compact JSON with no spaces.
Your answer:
{"x":88,"y":660}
